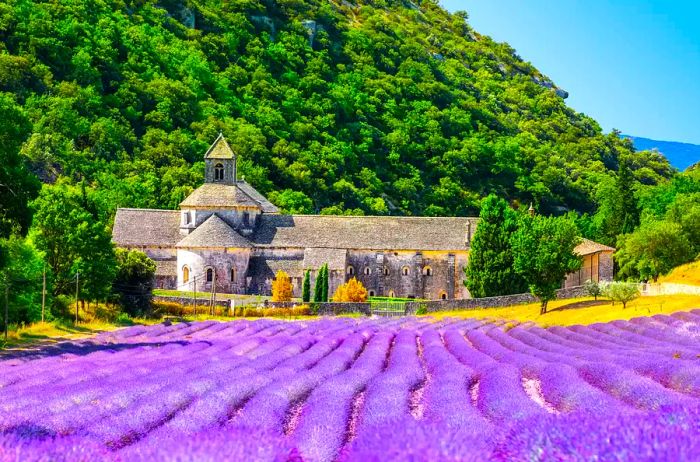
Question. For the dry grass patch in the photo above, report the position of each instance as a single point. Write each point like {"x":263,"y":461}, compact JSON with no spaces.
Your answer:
{"x":581,"y":310}
{"x":684,"y":274}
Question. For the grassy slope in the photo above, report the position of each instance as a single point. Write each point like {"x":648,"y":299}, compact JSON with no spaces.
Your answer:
{"x":565,"y":312}
{"x":684,"y":274}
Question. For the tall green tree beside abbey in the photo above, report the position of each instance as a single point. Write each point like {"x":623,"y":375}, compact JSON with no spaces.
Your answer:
{"x":544,"y":254}
{"x":490,"y":271}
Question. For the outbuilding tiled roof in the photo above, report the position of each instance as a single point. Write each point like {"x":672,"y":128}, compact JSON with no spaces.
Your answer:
{"x":362,"y":232}
{"x":587,"y":247}
{"x":215,"y":233}
{"x":146,"y":227}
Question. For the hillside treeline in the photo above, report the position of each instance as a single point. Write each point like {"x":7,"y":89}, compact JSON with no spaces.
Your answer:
{"x":373,"y":107}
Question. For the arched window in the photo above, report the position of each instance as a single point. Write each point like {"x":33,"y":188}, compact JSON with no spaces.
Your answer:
{"x":351,"y":270}
{"x":427,"y":271}
{"x":368,"y":271}
{"x":392,"y":294}
{"x":371,"y":293}
{"x":386,"y":271}
{"x":210,"y":275}
{"x":185,"y":274}
{"x":219,"y":172}
{"x":443,"y":296}
{"x":405,"y":271}
{"x":233,"y":274}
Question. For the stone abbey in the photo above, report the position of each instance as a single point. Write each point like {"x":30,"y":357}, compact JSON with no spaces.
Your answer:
{"x":228,"y":233}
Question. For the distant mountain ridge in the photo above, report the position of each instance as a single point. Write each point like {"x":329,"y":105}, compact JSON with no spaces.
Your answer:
{"x":681,"y":155}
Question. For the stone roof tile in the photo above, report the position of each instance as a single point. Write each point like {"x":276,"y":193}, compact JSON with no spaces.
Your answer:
{"x":587,"y":247}
{"x":219,"y":195}
{"x":364,"y":232}
{"x":146,"y":227}
{"x":215,"y":233}
{"x":219,"y":149}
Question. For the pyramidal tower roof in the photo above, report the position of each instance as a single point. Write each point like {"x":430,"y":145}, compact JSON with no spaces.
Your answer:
{"x":220,"y":149}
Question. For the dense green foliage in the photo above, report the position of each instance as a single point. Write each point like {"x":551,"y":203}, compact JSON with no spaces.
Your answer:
{"x":370,"y":107}
{"x":543,"y":248}
{"x":17,"y":184}
{"x":669,"y":234}
{"x":134,"y":281}
{"x":68,"y":230}
{"x":490,"y":271}
{"x":21,"y":274}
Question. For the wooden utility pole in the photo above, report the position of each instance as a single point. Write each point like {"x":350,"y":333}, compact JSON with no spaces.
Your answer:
{"x":77,"y":288}
{"x":7,"y":304}
{"x":194,"y":294}
{"x":43,"y":295}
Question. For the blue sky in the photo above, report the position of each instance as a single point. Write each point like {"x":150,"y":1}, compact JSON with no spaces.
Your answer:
{"x":631,"y":65}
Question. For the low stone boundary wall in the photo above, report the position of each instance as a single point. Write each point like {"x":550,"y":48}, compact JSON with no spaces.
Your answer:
{"x":668,"y":288}
{"x":488,"y":302}
{"x":328,"y":308}
{"x":188,"y":301}
{"x":324,"y":309}
{"x":333,"y":308}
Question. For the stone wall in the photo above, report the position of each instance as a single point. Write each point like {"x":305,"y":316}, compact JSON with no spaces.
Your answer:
{"x":327,"y":309}
{"x":230,"y":269}
{"x":426,"y":275}
{"x":667,"y":288}
{"x":188,"y":301}
{"x":488,"y":302}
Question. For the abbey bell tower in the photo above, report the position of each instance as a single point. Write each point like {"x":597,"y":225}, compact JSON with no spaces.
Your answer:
{"x":220,"y":163}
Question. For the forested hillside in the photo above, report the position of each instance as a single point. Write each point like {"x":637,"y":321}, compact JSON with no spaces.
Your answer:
{"x":372,"y":107}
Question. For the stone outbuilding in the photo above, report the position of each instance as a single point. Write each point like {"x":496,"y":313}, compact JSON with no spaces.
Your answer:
{"x":228,"y":234}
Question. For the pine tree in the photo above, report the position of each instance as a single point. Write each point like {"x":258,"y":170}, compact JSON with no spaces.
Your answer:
{"x":306,"y":288}
{"x":490,"y":271}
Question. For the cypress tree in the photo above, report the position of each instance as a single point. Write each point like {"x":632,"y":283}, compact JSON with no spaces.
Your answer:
{"x":490,"y":270}
{"x":306,"y":288}
{"x":318,"y":286}
{"x":324,"y":294}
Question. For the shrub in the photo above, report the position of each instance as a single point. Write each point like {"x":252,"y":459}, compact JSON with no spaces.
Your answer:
{"x":281,"y":287}
{"x":592,"y":288}
{"x":164,"y":308}
{"x":351,"y":291}
{"x":622,"y":292}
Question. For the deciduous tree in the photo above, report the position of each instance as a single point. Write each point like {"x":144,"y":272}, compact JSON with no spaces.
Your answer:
{"x":134,"y":281}
{"x":281,"y":287}
{"x":351,"y":291}
{"x":544,"y":254}
{"x":655,"y":248}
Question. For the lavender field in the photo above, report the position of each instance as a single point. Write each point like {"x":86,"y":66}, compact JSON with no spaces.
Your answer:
{"x":360,"y":390}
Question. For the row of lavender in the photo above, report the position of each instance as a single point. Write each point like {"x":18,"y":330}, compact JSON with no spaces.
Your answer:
{"x":346,"y":389}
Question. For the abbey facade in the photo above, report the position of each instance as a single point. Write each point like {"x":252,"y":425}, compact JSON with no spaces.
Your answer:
{"x":229,"y":235}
